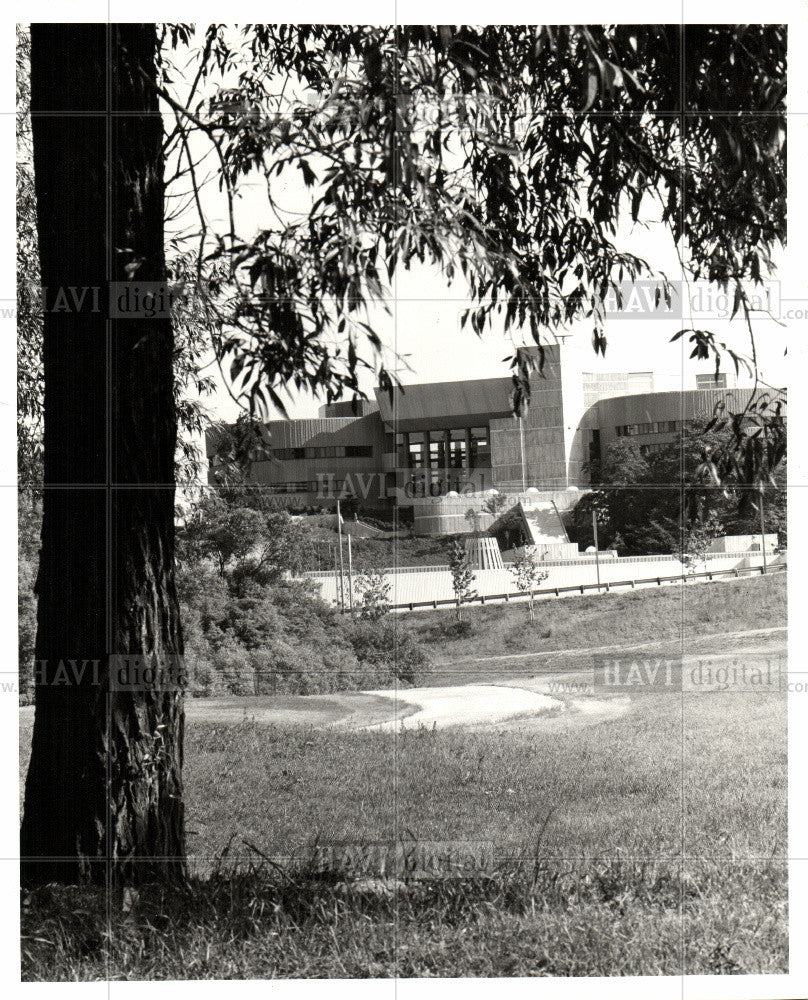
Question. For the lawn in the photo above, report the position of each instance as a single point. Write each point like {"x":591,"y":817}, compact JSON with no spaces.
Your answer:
{"x":679,"y":775}
{"x":649,"y":843}
{"x":680,"y":615}
{"x":616,"y":846}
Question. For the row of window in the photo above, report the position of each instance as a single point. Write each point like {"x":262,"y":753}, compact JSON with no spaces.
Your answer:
{"x":444,"y":448}
{"x":330,"y":451}
{"x":300,"y":487}
{"x":328,"y":486}
{"x":653,"y":449}
{"x":660,"y":427}
{"x":456,"y":434}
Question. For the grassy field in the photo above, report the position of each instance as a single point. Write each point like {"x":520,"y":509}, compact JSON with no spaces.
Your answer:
{"x":676,"y":614}
{"x":646,"y":844}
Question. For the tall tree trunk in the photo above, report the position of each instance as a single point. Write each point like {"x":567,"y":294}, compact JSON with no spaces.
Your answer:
{"x":103,"y":796}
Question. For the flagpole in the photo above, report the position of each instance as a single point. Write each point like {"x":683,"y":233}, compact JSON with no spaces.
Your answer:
{"x":597,"y":554}
{"x":762,"y":530}
{"x":341,"y":564}
{"x":350,"y":576}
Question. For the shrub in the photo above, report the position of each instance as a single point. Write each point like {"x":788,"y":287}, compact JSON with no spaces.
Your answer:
{"x":204,"y":679}
{"x":373,"y":592}
{"x":283,"y":639}
{"x":393,"y":652}
{"x":297,"y":668}
{"x":455,"y":629}
{"x":280,"y":668}
{"x":343,"y":671}
{"x":232,"y":663}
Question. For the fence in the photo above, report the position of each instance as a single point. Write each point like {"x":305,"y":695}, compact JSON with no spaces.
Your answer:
{"x":606,"y":587}
{"x":431,"y":587}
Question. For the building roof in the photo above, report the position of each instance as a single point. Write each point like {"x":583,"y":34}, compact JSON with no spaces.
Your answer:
{"x":436,"y":405}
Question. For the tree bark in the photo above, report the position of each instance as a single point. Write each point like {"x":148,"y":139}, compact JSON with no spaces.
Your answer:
{"x":103,"y":795}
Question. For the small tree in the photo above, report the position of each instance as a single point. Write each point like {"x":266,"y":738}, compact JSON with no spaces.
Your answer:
{"x":462,"y":577}
{"x":473,"y":518}
{"x":696,"y":541}
{"x":528,"y":574}
{"x":373,"y":593}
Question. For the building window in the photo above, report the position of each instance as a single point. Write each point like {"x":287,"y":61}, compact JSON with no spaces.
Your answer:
{"x":417,"y":450}
{"x":457,"y":454}
{"x":663,"y":427}
{"x":479,"y":436}
{"x":324,"y":451}
{"x":711,"y":381}
{"x":299,"y":487}
{"x":594,"y":446}
{"x":480,"y":452}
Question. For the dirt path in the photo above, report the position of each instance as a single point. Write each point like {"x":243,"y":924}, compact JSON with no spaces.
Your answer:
{"x":465,"y":705}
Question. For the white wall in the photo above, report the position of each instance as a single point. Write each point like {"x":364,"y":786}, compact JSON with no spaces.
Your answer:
{"x":435,"y":584}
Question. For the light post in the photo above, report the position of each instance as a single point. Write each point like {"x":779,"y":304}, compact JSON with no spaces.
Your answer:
{"x":341,"y":564}
{"x":597,"y":548}
{"x":762,"y":528}
{"x":350,"y":575}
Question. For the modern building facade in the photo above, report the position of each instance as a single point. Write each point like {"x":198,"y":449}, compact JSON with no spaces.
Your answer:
{"x":453,"y":440}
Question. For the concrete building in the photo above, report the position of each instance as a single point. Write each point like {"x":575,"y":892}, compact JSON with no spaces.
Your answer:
{"x":442,"y":448}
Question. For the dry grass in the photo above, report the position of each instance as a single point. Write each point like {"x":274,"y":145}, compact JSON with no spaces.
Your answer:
{"x":607,"y":918}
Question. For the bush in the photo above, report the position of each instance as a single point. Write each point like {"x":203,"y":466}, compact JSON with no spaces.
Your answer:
{"x":391,"y":650}
{"x":373,"y":593}
{"x":232,"y":663}
{"x":283,"y":639}
{"x":279,"y":668}
{"x":345,"y":672}
{"x":297,"y":668}
{"x":454,"y":629}
{"x":204,"y":681}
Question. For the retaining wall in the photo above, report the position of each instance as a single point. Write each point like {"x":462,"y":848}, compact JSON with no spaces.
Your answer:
{"x":418,"y":585}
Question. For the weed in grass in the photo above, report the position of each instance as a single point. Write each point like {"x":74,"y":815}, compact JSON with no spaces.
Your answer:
{"x":251,"y":921}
